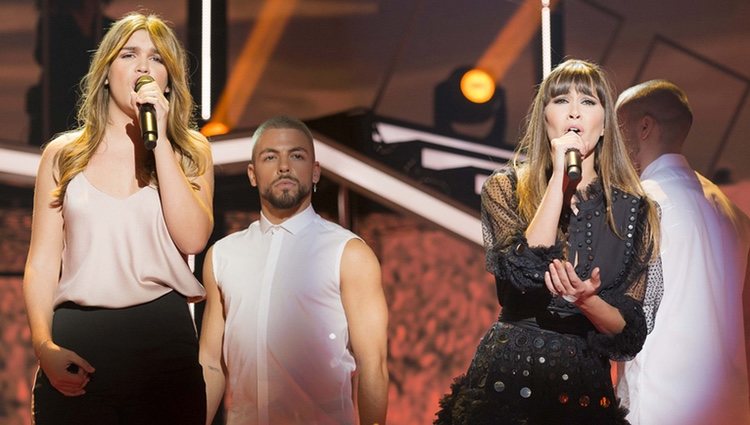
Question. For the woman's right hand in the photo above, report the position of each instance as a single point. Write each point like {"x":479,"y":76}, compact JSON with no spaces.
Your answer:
{"x":562,"y":144}
{"x":66,"y":371}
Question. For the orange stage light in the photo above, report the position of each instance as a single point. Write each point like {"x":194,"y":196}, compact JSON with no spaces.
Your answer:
{"x":214,"y":128}
{"x":477,"y":86}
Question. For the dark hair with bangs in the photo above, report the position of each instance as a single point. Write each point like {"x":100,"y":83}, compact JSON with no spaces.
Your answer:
{"x":533,"y":157}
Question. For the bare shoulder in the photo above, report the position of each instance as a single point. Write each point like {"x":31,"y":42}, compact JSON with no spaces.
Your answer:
{"x":54,"y":147}
{"x":357,"y":250}
{"x":62,"y":140}
{"x":358,"y":260}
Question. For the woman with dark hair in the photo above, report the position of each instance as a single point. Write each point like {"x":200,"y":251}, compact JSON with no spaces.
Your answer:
{"x":570,"y":258}
{"x":106,"y":282}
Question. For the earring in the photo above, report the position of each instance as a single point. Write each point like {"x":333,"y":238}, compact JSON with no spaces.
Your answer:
{"x":315,"y":187}
{"x":106,"y":82}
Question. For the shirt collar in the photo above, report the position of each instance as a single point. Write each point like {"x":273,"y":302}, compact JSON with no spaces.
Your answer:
{"x":293,"y":224}
{"x":668,"y":160}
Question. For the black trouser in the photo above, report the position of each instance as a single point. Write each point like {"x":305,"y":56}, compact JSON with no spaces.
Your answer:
{"x":146,"y":361}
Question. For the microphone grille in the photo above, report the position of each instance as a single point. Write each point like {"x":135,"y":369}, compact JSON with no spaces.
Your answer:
{"x":142,"y":80}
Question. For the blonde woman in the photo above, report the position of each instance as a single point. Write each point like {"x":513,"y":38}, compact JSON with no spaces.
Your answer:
{"x":570,"y":258}
{"x":106,"y":283}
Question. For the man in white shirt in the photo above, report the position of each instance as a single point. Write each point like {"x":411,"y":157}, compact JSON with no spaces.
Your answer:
{"x":692,"y":369}
{"x":294,"y":303}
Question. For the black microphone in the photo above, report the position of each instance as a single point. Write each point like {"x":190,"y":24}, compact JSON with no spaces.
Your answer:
{"x":147,"y":115}
{"x":573,"y":163}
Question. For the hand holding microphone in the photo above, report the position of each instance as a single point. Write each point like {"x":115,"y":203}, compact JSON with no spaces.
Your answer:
{"x":572,"y":157}
{"x":147,"y":115}
{"x":573,"y":163}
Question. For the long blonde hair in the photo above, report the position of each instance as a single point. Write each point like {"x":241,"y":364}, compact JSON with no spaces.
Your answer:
{"x":611,"y":160}
{"x":192,"y":147}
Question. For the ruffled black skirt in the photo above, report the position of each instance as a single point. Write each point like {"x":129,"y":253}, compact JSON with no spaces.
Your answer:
{"x":531,"y":376}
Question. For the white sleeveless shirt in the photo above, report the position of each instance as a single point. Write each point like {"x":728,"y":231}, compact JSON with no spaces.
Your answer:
{"x":118,"y":252}
{"x":286,"y":334}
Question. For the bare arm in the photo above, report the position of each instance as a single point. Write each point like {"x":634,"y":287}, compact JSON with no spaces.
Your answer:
{"x":40,"y":281}
{"x":367,"y":316}
{"x":211,"y":340}
{"x":187,"y":211}
{"x":542,"y":230}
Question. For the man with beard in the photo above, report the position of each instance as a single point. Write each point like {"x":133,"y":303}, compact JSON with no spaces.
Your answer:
{"x":294,"y":303}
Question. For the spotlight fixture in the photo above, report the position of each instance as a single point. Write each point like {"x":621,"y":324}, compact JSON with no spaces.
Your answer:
{"x":470,"y":96}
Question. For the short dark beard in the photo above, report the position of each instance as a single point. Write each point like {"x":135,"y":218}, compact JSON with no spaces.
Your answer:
{"x":288,"y":199}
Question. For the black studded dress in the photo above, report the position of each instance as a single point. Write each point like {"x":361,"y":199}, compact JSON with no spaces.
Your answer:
{"x":543,"y":362}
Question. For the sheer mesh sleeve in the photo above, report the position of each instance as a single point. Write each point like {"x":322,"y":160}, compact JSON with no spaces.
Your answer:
{"x":638,"y":303}
{"x":509,"y":256}
{"x":649,"y":289}
{"x":654,"y":292}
